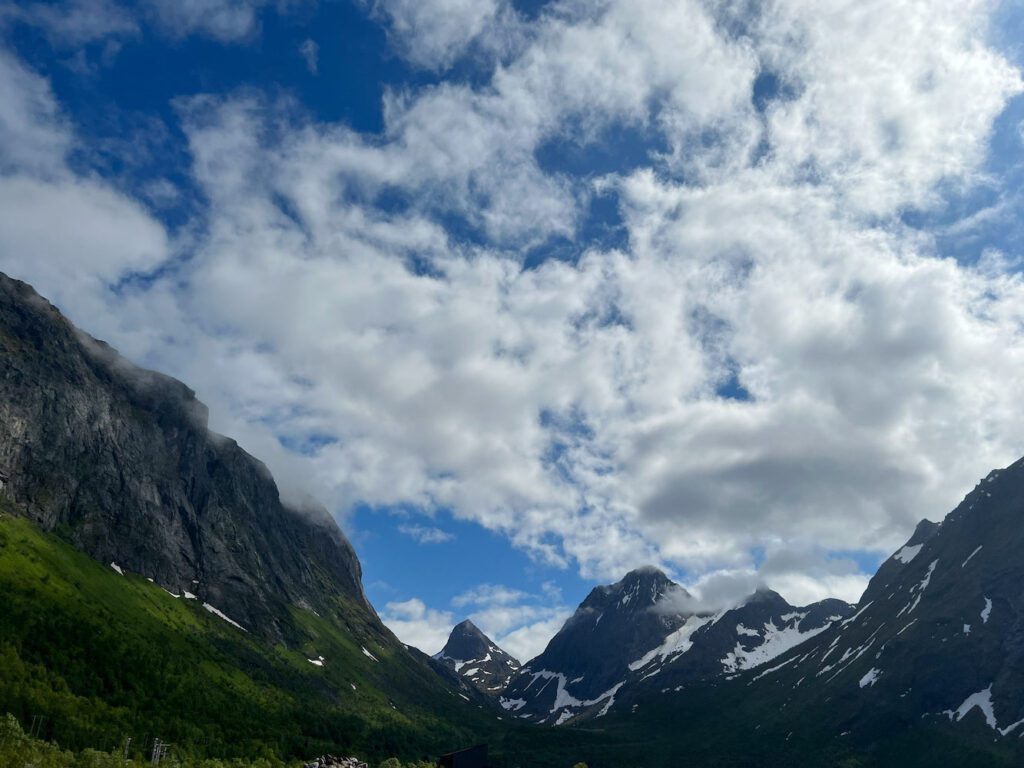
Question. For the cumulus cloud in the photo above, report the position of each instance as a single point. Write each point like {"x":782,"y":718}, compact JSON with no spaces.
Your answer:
{"x":773,"y":358}
{"x":417,"y":625}
{"x":434,"y":33}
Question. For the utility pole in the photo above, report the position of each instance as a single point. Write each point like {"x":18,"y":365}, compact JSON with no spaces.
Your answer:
{"x":37,"y":726}
{"x":159,"y":751}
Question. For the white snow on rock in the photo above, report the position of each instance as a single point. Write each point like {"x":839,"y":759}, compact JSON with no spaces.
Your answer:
{"x":675,"y":644}
{"x":776,"y":642}
{"x":220,"y":615}
{"x":967,"y":629}
{"x":513,"y":705}
{"x":117,"y":568}
{"x":316,"y":662}
{"x":986,"y":611}
{"x":908,"y":553}
{"x":188,"y":595}
{"x":741,"y":630}
{"x":563,"y":699}
{"x":870,"y":678}
{"x":846,"y":622}
{"x":919,"y":589}
{"x":368,"y":654}
{"x":983,"y":701}
{"x":976,"y":551}
{"x":611,"y":700}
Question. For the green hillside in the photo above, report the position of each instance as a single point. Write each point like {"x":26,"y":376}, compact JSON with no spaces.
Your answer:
{"x":90,"y":658}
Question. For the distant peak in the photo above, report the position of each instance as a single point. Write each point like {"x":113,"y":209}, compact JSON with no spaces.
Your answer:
{"x":764,"y":594}
{"x":924,"y":531}
{"x":467,"y":627}
{"x":645,"y":572}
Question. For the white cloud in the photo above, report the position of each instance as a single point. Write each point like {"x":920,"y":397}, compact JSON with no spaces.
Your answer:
{"x":434,"y":33}
{"x":426,"y":534}
{"x":310,"y":53}
{"x":225,"y":20}
{"x":519,"y":622}
{"x":574,"y":407}
{"x":33,"y":136}
{"x":488,"y":594}
{"x":417,"y":625}
{"x":78,"y":22}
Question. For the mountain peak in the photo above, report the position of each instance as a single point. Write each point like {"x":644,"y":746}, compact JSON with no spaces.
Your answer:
{"x":476,"y":657}
{"x":467,"y":627}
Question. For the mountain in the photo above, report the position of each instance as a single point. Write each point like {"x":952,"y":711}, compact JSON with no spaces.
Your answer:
{"x":585,"y":664}
{"x":152,"y":579}
{"x":639,"y":634}
{"x":927,"y":669}
{"x":938,"y":636}
{"x":476,"y":658}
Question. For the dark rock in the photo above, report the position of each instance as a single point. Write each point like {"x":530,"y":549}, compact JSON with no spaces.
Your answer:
{"x":119,"y":461}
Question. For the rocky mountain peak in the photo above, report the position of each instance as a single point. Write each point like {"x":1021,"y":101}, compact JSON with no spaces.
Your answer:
{"x":474,"y":656}
{"x":639,"y":590}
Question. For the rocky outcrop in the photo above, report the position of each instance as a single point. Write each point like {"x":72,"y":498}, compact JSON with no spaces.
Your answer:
{"x":119,"y":461}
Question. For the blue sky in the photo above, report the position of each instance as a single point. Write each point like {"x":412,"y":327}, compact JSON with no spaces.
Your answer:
{"x":529,"y":294}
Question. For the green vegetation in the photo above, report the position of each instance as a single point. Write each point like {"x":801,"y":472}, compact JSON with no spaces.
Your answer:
{"x":90,"y":658}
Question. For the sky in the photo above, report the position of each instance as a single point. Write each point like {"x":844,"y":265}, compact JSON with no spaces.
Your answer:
{"x":529,"y":294}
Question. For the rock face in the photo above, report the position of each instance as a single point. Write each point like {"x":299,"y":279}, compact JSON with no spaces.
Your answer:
{"x":938,"y":636}
{"x":119,"y":460}
{"x":639,"y":635}
{"x":475,"y":657}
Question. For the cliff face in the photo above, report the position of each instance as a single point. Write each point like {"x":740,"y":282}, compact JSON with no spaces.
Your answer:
{"x":119,"y":461}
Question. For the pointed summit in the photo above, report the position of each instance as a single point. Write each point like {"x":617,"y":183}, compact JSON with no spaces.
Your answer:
{"x":476,"y":658}
{"x":639,"y":590}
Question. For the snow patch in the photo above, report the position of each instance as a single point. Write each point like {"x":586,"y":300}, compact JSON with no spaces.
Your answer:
{"x":675,"y":644}
{"x":117,"y":568}
{"x":983,"y":701}
{"x":976,"y":551}
{"x":512,"y":704}
{"x":221,"y":615}
{"x":908,"y":553}
{"x":986,"y":611}
{"x":776,"y":642}
{"x":369,"y":655}
{"x":870,"y":678}
{"x":919,"y":589}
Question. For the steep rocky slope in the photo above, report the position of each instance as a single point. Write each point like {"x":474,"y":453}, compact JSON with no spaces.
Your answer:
{"x":120,"y":461}
{"x":939,"y":633}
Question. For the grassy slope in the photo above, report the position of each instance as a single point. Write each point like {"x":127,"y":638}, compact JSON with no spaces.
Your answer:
{"x":104,"y":657}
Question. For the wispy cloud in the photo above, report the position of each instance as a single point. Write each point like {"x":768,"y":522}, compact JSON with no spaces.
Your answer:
{"x":426,"y":534}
